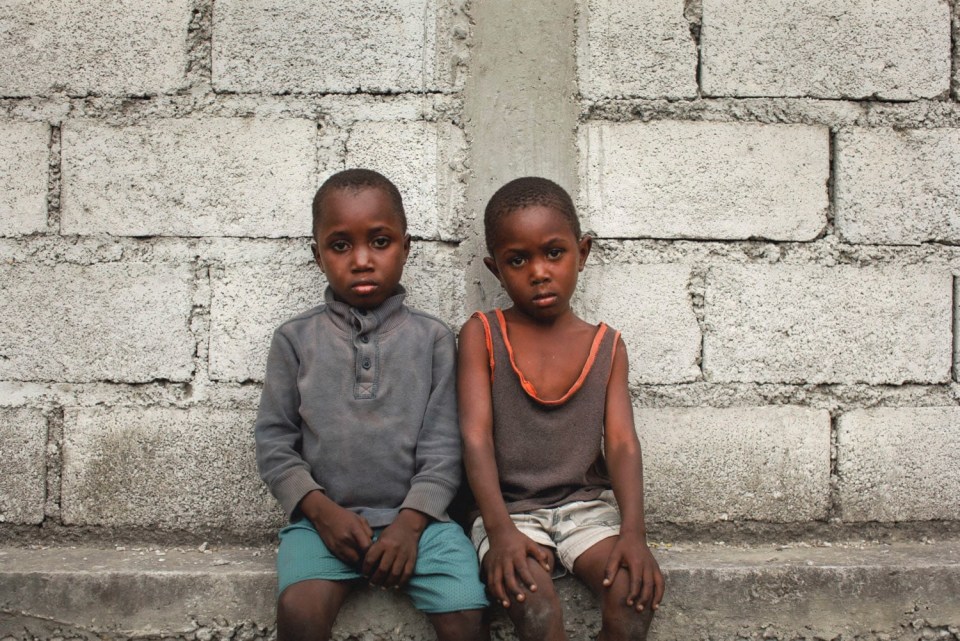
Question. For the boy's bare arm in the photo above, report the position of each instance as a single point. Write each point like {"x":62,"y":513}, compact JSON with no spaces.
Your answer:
{"x":346,"y":534}
{"x":625,"y":463}
{"x":505,"y":563}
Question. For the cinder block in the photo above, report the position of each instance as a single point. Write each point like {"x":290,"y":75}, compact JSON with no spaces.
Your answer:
{"x":23,"y":177}
{"x":651,"y":306}
{"x":23,"y":444}
{"x":277,"y":46}
{"x":807,"y":324}
{"x":889,"y":49}
{"x":189,"y":177}
{"x":630,"y":48}
{"x":417,"y":156}
{"x":182,"y":469}
{"x":123,"y":322}
{"x":898,"y":187}
{"x":435,"y":282}
{"x":239,"y":340}
{"x":703,"y":180}
{"x":899,"y":464}
{"x":136,"y":47}
{"x":703,"y":464}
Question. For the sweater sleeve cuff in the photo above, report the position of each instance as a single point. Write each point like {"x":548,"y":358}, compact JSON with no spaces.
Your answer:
{"x":431,"y":498}
{"x":293,"y":487}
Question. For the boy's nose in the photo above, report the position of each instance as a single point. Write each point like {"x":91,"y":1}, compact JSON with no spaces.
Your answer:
{"x":539,"y":272}
{"x":361,"y":259}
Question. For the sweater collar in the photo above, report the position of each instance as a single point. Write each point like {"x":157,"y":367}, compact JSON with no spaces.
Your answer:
{"x":383,"y":318}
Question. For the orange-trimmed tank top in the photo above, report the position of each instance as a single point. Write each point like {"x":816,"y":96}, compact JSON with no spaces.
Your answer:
{"x":548,"y":451}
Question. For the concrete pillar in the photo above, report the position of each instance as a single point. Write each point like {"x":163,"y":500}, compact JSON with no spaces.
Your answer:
{"x":520,"y":111}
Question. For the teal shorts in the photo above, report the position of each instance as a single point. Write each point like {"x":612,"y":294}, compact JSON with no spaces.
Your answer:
{"x":446,"y":577}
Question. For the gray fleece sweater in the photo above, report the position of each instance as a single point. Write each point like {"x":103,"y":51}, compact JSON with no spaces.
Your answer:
{"x":361,"y":404}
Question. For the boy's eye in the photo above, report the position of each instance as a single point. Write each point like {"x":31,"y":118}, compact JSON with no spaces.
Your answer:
{"x":556,"y":252}
{"x":339,"y":246}
{"x":380,"y":242}
{"x":516,"y":261}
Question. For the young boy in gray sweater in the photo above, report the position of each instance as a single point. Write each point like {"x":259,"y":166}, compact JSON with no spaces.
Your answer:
{"x":357,"y":435}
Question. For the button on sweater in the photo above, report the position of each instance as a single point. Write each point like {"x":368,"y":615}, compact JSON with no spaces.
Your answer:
{"x":361,"y":404}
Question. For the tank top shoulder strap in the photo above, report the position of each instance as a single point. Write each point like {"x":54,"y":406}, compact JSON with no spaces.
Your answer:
{"x":485,"y":320}
{"x":599,"y":362}
{"x":607,"y":350}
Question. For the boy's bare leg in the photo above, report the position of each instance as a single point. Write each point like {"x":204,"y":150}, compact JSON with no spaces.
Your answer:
{"x":465,"y":625}
{"x":621,"y":622}
{"x":539,"y":617}
{"x":306,"y":610}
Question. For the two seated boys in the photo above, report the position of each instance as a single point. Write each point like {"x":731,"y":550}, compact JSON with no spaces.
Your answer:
{"x":358,"y":438}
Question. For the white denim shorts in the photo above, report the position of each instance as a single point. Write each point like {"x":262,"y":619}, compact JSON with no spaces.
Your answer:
{"x":570,"y":530}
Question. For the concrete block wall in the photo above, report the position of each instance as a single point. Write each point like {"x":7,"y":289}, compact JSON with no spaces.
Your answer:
{"x":794,"y":191}
{"x":155,"y":227}
{"x":772,"y":186}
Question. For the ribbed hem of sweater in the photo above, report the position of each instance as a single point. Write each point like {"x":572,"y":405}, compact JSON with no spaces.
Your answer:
{"x":431,"y":498}
{"x":290,"y":489}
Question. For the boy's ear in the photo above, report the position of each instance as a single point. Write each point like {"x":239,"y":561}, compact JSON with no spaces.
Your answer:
{"x":406,"y":246}
{"x":584,"y":247}
{"x":316,"y":255}
{"x":491,"y":264}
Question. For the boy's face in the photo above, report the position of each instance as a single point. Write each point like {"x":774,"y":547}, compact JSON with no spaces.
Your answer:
{"x":361,"y":246}
{"x":537,"y":259}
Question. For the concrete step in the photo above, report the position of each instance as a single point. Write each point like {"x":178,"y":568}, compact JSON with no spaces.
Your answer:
{"x":844,"y":591}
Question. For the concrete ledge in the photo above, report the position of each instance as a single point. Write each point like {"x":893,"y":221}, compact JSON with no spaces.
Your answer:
{"x":899,"y":591}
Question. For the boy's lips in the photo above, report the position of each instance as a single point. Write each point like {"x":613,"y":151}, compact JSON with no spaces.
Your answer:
{"x":545,"y":299}
{"x":364,"y":287}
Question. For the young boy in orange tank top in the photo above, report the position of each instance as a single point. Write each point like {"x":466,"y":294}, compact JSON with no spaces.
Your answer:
{"x":539,"y":387}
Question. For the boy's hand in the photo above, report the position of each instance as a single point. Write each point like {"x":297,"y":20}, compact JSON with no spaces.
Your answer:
{"x":346,"y":534}
{"x":646,"y":580}
{"x":506,"y":562}
{"x":390,"y":560}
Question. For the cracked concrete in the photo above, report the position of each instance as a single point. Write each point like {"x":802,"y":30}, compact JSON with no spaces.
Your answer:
{"x":764,"y":592}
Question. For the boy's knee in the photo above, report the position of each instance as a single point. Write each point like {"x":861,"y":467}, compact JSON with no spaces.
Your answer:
{"x":299,"y":617}
{"x":539,"y":609}
{"x":623,"y":622}
{"x":540,"y":615}
{"x":464,"y":625}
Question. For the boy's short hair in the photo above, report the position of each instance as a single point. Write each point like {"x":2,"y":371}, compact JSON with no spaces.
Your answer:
{"x":523,"y":192}
{"x":356,"y":179}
